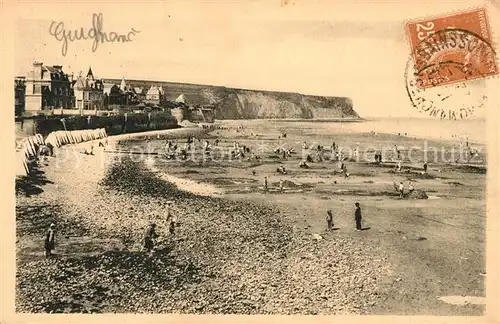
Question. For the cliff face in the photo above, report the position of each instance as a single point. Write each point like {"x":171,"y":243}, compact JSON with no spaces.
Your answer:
{"x":254,"y":104}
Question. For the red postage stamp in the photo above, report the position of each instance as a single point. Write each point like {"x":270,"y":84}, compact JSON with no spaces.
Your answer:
{"x":452,"y":48}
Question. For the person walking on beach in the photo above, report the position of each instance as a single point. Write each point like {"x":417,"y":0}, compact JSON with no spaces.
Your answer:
{"x":357,"y":217}
{"x":50,"y":239}
{"x":401,"y":189}
{"x":171,"y":227}
{"x":329,"y":219}
{"x":149,"y":238}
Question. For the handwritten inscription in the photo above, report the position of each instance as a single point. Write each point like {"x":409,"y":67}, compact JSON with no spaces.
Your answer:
{"x":96,"y":33}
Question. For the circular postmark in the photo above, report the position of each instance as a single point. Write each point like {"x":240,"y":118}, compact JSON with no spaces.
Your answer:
{"x":445,"y":73}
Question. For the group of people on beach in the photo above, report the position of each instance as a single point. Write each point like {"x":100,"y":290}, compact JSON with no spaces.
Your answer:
{"x":401,"y":188}
{"x":357,"y":218}
{"x":150,"y":234}
{"x":148,"y":241}
{"x":173,"y":148}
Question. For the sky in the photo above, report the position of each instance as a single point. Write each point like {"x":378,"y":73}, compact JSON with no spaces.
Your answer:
{"x":333,"y":48}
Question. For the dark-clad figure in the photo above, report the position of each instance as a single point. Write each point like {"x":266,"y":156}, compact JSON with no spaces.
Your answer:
{"x":357,"y":217}
{"x":171,"y":218}
{"x":50,"y":240}
{"x":425,"y":167}
{"x":171,"y":227}
{"x":149,"y":237}
{"x":329,"y":219}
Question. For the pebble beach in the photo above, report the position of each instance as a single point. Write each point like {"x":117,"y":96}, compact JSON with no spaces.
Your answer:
{"x":228,"y":255}
{"x":225,"y":257}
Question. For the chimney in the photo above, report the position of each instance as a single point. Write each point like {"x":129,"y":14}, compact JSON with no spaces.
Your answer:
{"x":36,"y":63}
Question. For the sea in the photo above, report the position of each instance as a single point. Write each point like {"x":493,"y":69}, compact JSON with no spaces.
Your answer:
{"x":472,"y":130}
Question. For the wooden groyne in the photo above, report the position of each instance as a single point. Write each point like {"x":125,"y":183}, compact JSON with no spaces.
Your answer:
{"x":30,"y":148}
{"x":60,"y":138}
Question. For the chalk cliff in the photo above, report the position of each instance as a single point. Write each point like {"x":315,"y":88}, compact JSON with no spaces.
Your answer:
{"x":254,"y":104}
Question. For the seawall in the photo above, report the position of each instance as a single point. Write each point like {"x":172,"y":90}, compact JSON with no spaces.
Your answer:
{"x":113,"y":125}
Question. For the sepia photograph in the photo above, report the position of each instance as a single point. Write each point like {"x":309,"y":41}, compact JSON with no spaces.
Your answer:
{"x":251,"y":157}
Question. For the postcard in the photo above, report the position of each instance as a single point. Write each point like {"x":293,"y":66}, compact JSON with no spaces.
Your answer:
{"x":269,"y":160}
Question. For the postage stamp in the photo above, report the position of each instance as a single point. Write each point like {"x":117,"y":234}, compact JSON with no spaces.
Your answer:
{"x":452,"y":49}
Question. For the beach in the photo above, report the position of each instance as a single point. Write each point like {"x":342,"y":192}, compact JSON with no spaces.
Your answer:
{"x":241,"y":250}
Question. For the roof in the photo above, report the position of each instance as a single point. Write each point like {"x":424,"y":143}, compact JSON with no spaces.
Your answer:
{"x":90,"y":74}
{"x":80,"y":83}
{"x":123,"y":84}
{"x":107,"y":87}
{"x":51,"y":69}
{"x":153,"y":90}
{"x":181,"y":98}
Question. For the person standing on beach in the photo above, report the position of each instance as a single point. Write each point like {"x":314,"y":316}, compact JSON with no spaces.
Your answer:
{"x":357,"y":217}
{"x":281,"y":184}
{"x":425,"y":167}
{"x":50,"y":240}
{"x":329,"y":219}
{"x":265,"y":183}
{"x":171,"y":226}
{"x":401,"y":189}
{"x":149,"y":237}
{"x":171,"y":218}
